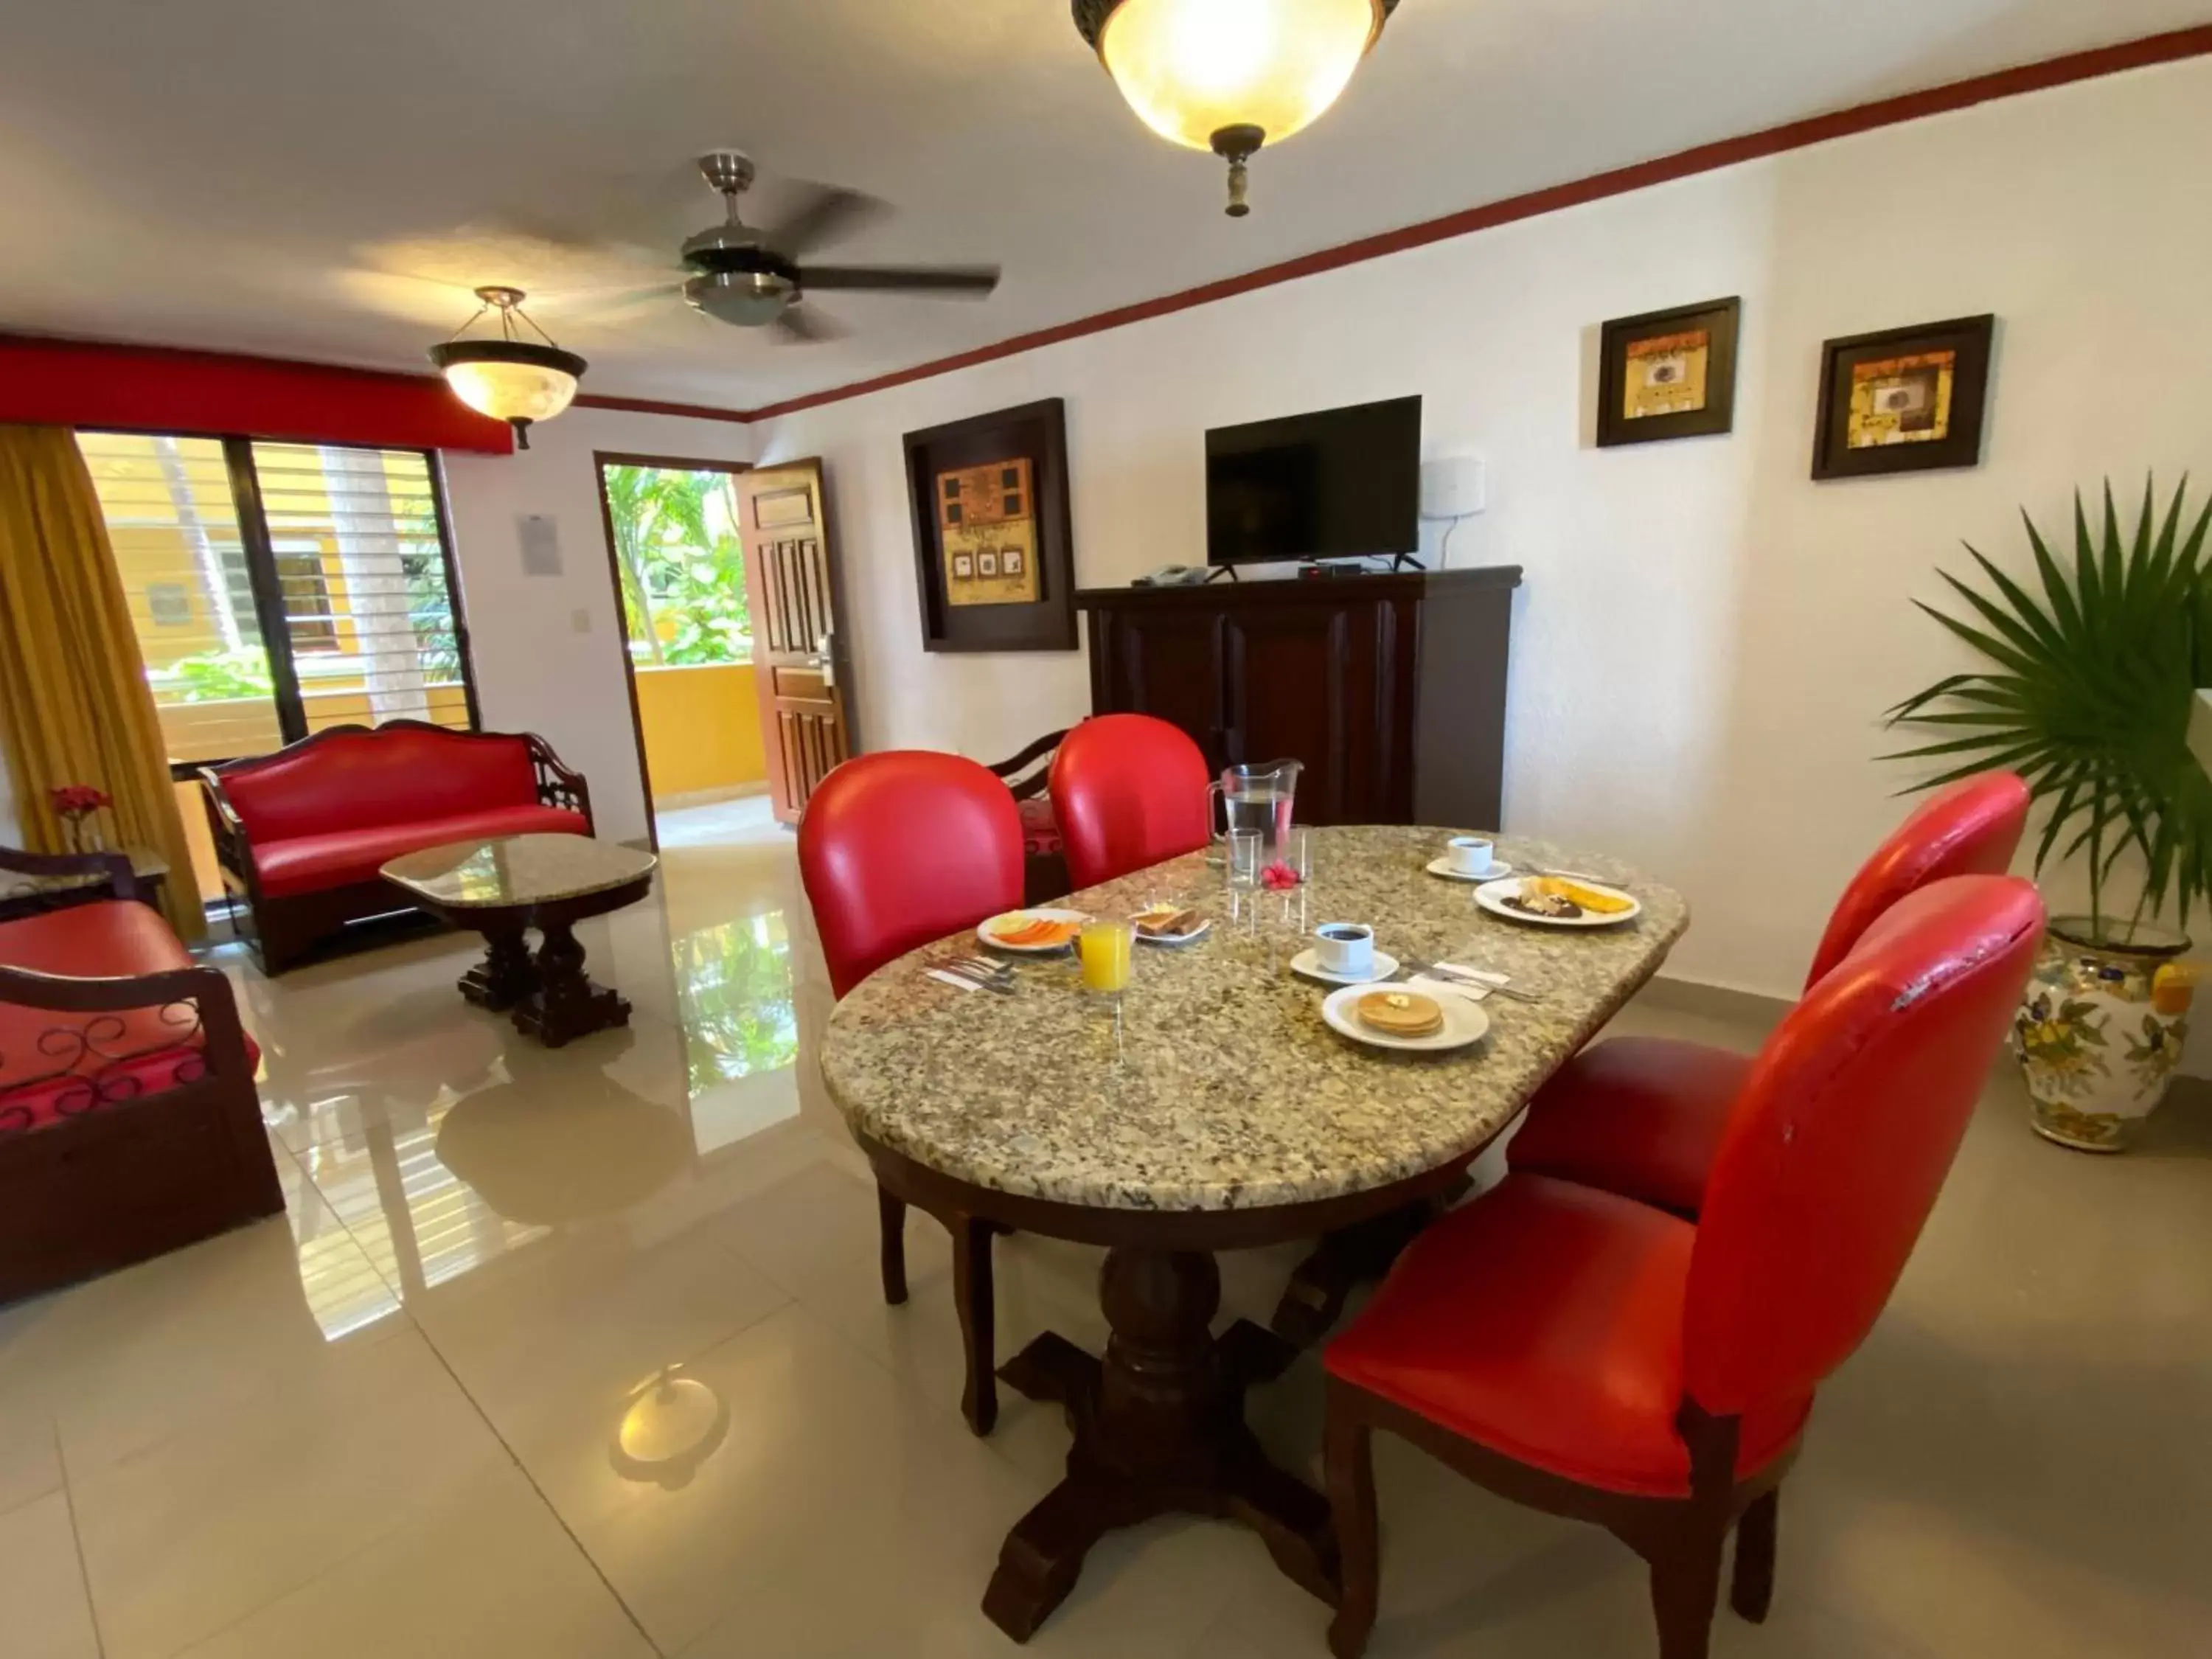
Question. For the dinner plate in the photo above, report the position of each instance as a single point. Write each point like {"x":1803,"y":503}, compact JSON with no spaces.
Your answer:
{"x":1195,"y":934}
{"x":1465,"y":1023}
{"x":1307,"y":965}
{"x":1491,"y":897}
{"x":1440,"y":867}
{"x":983,"y":931}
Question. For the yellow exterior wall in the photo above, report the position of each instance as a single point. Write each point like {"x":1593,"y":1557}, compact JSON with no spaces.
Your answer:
{"x":701,"y":728}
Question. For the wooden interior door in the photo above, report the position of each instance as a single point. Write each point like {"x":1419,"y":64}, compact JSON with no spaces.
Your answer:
{"x":791,"y":586}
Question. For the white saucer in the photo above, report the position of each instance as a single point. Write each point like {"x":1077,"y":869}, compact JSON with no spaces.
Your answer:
{"x":1464,"y":1023}
{"x":1307,"y":965}
{"x":1442,"y":867}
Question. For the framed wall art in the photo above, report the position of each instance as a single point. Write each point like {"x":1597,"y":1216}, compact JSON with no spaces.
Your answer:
{"x":1904,"y":400}
{"x":993,"y":557}
{"x":1668,"y":374}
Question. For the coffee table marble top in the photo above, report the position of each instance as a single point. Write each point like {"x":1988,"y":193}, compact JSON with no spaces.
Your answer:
{"x":1218,"y":1087}
{"x":514,"y":870}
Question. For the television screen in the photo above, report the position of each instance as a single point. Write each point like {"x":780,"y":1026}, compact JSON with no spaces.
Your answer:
{"x":1331,"y":485}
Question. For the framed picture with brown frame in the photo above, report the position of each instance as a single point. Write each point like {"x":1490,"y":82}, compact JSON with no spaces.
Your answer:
{"x":1668,"y":374}
{"x":1904,"y":400}
{"x":993,"y":557}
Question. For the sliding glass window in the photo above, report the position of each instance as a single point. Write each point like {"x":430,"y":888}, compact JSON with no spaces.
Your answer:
{"x":281,"y":589}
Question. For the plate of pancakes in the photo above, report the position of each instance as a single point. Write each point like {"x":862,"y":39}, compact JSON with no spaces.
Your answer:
{"x":1399,"y":1016}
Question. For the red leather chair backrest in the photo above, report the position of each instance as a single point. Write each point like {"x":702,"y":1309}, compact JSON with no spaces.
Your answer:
{"x":903,"y":846}
{"x":392,"y":775}
{"x":1128,"y":791}
{"x":1841,"y":1139}
{"x":1972,"y":828}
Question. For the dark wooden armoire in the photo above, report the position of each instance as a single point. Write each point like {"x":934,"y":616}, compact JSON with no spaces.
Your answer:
{"x":1390,"y":689}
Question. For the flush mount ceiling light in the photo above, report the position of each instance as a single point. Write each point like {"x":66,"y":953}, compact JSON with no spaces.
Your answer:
{"x":1229,"y":75}
{"x":509,"y":379}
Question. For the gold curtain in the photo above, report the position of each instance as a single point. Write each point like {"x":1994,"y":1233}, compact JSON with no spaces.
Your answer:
{"x":73,"y":703}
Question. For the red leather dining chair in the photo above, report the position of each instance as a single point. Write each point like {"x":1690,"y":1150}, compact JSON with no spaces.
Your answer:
{"x":1128,"y":791}
{"x":1643,"y":1116}
{"x":896,"y":849}
{"x":1599,"y":1358}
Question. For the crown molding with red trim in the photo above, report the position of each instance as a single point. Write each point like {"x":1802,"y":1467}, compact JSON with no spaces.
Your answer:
{"x":56,"y":381}
{"x":2172,"y":47}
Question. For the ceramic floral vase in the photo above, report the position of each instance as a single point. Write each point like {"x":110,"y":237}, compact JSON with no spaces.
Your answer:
{"x":2100,"y":1032}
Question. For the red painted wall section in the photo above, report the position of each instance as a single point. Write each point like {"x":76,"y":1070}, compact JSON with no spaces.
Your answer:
{"x":148,"y":388}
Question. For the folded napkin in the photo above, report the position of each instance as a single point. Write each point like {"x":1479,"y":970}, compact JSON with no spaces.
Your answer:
{"x":1430,"y":987}
{"x":943,"y":977}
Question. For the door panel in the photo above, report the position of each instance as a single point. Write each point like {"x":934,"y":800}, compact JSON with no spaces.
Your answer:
{"x":1302,"y":685}
{"x":1168,"y":665}
{"x":790,"y":581}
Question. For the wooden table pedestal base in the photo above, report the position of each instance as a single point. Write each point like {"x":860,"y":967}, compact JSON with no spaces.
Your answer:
{"x":564,"y":1004}
{"x":505,"y":976}
{"x":1159,"y":1428}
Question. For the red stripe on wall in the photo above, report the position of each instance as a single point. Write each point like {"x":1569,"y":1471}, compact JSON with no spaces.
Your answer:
{"x":45,"y":382}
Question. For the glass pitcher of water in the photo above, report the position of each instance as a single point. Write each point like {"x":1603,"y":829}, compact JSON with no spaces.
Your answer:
{"x":1258,"y":798}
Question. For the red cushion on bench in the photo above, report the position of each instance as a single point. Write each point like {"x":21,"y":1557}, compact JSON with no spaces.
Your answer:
{"x":394,"y":774}
{"x":1040,"y":829}
{"x":113,"y":938}
{"x":313,"y":864}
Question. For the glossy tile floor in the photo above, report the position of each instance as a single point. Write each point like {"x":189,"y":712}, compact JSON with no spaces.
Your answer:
{"x":583,"y":1354}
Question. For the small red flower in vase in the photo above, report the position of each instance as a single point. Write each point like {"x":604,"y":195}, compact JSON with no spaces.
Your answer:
{"x":1278,"y":878}
{"x":76,"y":805}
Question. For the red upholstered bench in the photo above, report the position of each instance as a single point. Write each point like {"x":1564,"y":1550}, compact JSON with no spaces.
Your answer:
{"x":128,"y":1124}
{"x":1044,"y":867}
{"x":301,"y":834}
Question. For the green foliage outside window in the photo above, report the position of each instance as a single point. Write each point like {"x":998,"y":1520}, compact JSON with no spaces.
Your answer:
{"x":682,"y":571}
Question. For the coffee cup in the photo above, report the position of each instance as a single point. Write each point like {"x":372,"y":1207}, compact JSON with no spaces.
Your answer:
{"x":1470,"y":855}
{"x":1345,"y":947}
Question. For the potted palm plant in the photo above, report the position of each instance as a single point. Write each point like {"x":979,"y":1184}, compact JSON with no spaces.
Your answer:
{"x":2088,"y":693}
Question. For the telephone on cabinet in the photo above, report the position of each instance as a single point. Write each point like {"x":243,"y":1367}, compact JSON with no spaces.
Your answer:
{"x":1174,"y":575}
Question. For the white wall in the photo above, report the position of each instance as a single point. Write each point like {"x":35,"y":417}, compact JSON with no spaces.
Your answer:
{"x":1705,"y":637}
{"x":536,"y":671}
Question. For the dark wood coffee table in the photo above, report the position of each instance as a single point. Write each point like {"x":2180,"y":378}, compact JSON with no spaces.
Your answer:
{"x":503,"y":887}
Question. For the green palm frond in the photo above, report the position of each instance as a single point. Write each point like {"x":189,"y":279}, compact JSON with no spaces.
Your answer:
{"x":2088,"y":695}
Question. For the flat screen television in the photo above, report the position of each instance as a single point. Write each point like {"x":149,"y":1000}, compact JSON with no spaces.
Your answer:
{"x":1336,"y":485}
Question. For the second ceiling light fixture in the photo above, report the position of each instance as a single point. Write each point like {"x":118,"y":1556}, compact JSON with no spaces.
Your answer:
{"x":1230,"y":76}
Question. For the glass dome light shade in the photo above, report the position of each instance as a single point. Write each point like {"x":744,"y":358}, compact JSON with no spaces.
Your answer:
{"x":510,"y":380}
{"x":1191,"y":67}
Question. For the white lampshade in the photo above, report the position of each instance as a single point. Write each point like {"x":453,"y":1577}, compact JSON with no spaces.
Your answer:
{"x":512,"y":390}
{"x":1192,"y":69}
{"x":508,"y":378}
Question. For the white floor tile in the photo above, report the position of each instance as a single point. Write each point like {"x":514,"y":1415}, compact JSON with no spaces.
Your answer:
{"x":254,"y":1501}
{"x":44,"y":1611}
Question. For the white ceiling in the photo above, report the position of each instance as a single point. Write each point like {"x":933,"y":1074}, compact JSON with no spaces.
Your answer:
{"x":312,"y":178}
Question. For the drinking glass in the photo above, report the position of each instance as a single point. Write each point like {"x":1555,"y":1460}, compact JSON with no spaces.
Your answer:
{"x":1244,"y":858}
{"x":1103,"y":950}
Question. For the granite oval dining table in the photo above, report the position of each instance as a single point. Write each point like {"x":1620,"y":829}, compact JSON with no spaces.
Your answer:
{"x":1210,"y":1110}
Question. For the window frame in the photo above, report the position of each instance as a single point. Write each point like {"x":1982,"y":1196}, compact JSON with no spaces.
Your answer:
{"x":266,"y":583}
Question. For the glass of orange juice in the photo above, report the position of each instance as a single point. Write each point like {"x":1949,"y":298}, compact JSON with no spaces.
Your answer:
{"x":1103,"y":948}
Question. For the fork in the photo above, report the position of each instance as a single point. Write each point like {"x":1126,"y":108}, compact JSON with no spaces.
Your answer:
{"x":983,"y":967}
{"x":958,"y":968}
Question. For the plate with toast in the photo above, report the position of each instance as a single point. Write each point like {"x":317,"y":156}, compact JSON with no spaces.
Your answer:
{"x":1032,"y":933}
{"x":1169,"y":924}
{"x":1400,"y":1017}
{"x":1558,"y":901}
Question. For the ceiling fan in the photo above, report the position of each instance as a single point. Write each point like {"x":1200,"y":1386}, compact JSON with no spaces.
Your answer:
{"x":754,"y":278}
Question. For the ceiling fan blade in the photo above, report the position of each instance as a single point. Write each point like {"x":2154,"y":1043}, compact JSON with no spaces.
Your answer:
{"x":800,"y":325}
{"x":823,"y":216}
{"x":977,"y":280}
